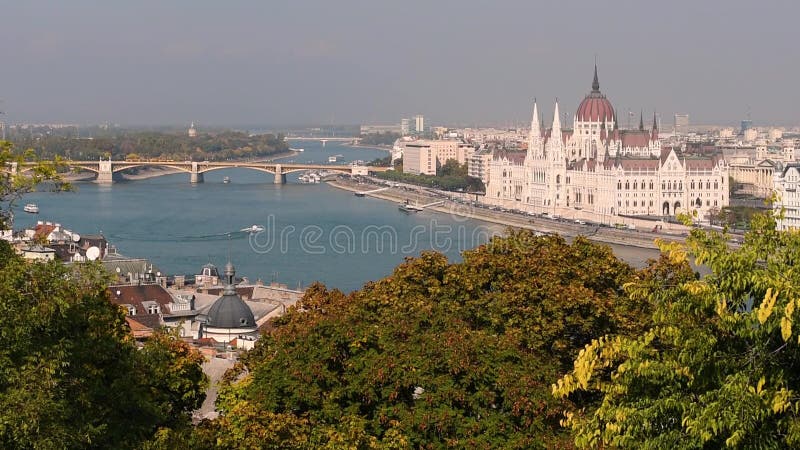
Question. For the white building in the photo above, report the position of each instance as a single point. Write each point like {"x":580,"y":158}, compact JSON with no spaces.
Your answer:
{"x":424,"y":156}
{"x":478,"y":165}
{"x":602,"y":171}
{"x":419,"y":124}
{"x":788,"y":200}
{"x":192,"y":131}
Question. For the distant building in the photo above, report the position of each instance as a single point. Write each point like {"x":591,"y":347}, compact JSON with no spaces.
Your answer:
{"x":681,"y":123}
{"x":745,"y":125}
{"x":208,"y":276}
{"x":424,"y":156}
{"x":788,"y":201}
{"x":405,"y":127}
{"x":419,"y":124}
{"x":38,"y":253}
{"x":600,"y":171}
{"x":379,"y":129}
{"x":478,"y":166}
{"x":192,"y":131}
{"x":419,"y":159}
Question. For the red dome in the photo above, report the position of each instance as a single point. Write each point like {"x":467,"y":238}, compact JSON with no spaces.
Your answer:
{"x":595,"y":107}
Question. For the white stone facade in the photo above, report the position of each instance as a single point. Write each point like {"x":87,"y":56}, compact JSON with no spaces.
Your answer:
{"x":601,"y":171}
{"x":787,"y":198}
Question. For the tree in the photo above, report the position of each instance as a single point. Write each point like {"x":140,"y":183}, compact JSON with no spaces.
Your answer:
{"x":15,"y":184}
{"x":70,"y":374}
{"x":720,"y":364}
{"x":435,"y":355}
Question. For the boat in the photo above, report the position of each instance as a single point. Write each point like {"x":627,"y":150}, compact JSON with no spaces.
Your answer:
{"x":297,"y":149}
{"x":407,"y":207}
{"x":31,"y":208}
{"x":252,"y":229}
{"x":335,"y":158}
{"x":226,"y":180}
{"x":310,"y":177}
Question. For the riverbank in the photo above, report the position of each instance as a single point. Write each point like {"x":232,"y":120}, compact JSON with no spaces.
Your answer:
{"x":383,"y":148}
{"x":641,"y":239}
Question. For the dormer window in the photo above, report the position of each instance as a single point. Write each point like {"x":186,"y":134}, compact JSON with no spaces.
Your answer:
{"x":153,"y":309}
{"x":131,"y":310}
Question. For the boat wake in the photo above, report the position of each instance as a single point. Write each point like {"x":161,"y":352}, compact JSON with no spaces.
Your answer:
{"x":236,"y":234}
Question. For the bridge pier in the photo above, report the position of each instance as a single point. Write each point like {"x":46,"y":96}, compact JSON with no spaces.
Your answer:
{"x":105,"y":174}
{"x":280,"y":177}
{"x":195,"y":176}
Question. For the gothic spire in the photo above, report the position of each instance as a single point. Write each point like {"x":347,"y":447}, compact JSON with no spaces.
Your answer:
{"x":535,"y":126}
{"x":595,"y":83}
{"x":556,"y":123}
{"x":641,"y":121}
{"x":655,"y":124}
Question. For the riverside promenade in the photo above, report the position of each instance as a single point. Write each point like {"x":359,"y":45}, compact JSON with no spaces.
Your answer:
{"x":643,"y":238}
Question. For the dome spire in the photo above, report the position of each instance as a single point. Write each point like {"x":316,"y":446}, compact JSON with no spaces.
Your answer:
{"x":595,"y":83}
{"x":230,"y":273}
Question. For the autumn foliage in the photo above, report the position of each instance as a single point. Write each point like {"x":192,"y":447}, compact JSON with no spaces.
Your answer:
{"x":435,"y":355}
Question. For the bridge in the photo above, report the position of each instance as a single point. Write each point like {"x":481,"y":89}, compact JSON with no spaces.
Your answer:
{"x":105,"y":169}
{"x":324,"y":140}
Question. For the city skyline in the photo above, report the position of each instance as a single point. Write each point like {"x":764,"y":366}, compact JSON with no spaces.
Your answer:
{"x":454,"y":63}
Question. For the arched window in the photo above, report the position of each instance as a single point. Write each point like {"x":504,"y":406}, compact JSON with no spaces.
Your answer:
{"x":716,"y":185}
{"x":619,"y":185}
{"x":651,"y":184}
{"x":627,"y":185}
{"x":635,"y":185}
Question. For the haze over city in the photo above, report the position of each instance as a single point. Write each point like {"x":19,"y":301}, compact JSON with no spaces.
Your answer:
{"x":459,"y":62}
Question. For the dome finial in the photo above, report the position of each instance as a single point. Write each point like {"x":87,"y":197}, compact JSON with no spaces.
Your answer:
{"x":595,"y":83}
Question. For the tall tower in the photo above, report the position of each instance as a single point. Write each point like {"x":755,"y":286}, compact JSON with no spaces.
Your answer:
{"x":192,"y":131}
{"x":535,"y":135}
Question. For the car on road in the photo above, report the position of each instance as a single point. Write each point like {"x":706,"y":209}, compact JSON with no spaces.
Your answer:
{"x":580,"y":222}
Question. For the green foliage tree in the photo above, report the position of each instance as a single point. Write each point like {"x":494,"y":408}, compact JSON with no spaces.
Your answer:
{"x":384,"y":138}
{"x":435,"y":355}
{"x":452,"y":176}
{"x":15,"y":184}
{"x":70,"y":374}
{"x":720,"y":365}
{"x":157,"y":145}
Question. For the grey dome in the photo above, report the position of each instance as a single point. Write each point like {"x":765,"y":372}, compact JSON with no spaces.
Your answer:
{"x":230,"y":311}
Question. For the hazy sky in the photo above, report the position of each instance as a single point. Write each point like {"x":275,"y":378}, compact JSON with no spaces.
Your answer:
{"x":375,"y":61}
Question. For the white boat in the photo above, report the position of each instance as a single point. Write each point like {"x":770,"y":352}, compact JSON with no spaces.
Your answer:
{"x":335,"y":158}
{"x":310,"y":177}
{"x":252,"y":229}
{"x":226,"y":180}
{"x":409,"y":208}
{"x":31,"y":208}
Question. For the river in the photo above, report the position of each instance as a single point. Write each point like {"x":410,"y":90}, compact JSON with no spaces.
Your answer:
{"x":312,"y":231}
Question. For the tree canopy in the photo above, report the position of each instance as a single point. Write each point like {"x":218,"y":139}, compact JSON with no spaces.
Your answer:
{"x":434,"y":355}
{"x":70,"y":374}
{"x":720,"y":364}
{"x":159,"y":145}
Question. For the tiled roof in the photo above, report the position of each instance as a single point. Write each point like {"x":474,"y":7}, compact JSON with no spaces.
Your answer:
{"x":635,"y":138}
